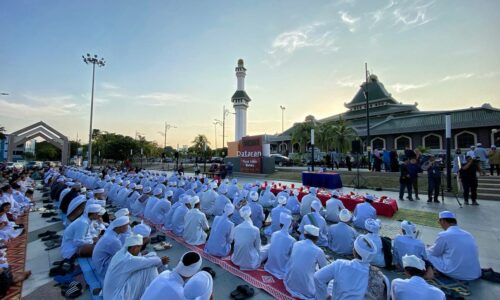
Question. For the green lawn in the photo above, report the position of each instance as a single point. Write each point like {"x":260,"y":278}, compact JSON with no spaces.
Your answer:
{"x":426,"y":218}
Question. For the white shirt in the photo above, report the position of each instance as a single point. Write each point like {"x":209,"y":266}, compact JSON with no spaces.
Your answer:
{"x":362,"y":212}
{"x":341,"y":238}
{"x":279,"y":253}
{"x":167,"y":283}
{"x":160,"y":210}
{"x":195,"y":225}
{"x":305,"y":204}
{"x":75,"y":236}
{"x":246,"y":253}
{"x":333,"y":207}
{"x":221,"y":237}
{"x":414,"y":288}
{"x":350,"y":280}
{"x":305,"y":257}
{"x":455,"y":254}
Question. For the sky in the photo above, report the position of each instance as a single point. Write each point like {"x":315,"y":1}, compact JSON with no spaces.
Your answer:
{"x":173,"y":61}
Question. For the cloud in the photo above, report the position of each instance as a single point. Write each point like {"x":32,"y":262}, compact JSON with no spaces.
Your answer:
{"x":159,"y":99}
{"x":412,"y":13}
{"x":403,"y":87}
{"x":457,"y":76}
{"x":313,"y":36}
{"x":42,"y":107}
{"x":348,"y":20}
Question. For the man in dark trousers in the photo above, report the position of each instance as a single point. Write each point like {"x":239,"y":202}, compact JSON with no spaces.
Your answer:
{"x":414,"y":168}
{"x":404,"y":179}
{"x":433,"y":179}
{"x":468,"y":176}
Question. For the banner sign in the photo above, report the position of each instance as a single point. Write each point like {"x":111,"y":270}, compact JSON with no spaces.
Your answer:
{"x":250,"y":154}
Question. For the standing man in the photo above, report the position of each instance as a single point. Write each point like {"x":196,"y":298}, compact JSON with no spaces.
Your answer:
{"x":494,"y":159}
{"x":468,"y":177}
{"x":405,"y":180}
{"x":433,"y":180}
{"x":483,"y":157}
{"x":414,"y":168}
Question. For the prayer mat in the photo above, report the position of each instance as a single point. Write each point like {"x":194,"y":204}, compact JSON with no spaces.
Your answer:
{"x":16,"y":257}
{"x":454,"y":289}
{"x":258,"y":278}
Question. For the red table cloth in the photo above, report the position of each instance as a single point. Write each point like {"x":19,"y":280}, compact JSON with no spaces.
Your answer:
{"x":384,"y":206}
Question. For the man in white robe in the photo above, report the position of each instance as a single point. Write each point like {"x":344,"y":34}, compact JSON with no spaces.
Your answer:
{"x":275,"y":216}
{"x":333,"y":208}
{"x":179,"y":214}
{"x":171,"y":283}
{"x":76,"y":239}
{"x":199,"y":287}
{"x":341,"y":236}
{"x":208,"y":199}
{"x":415,"y":287}
{"x":257,"y":210}
{"x":407,"y":244}
{"x":304,"y":260}
{"x":293,"y":203}
{"x":267,"y":198}
{"x":364,"y":211}
{"x":222,"y":234}
{"x":315,"y":218}
{"x":281,"y":247}
{"x":247,"y":253}
{"x":161,"y":208}
{"x":307,"y":200}
{"x":373,"y":228}
{"x":195,"y":224}
{"x":350,"y":277}
{"x":221,"y":201}
{"x":108,"y":245}
{"x":152,"y":201}
{"x":454,"y":252}
{"x":129,"y":274}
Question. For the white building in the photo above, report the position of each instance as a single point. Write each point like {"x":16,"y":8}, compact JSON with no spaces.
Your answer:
{"x":240,"y":101}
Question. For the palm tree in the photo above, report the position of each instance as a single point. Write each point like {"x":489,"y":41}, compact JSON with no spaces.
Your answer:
{"x":325,"y":136}
{"x":302,"y":132}
{"x":199,"y":143}
{"x":343,"y":136}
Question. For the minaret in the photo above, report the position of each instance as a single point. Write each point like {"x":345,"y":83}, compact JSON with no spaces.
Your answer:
{"x":240,"y":101}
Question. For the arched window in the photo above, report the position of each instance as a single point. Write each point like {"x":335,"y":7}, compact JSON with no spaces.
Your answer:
{"x":432,"y":141}
{"x":465,"y":139}
{"x":283,"y":147}
{"x":401,"y":142}
{"x":378,"y":143}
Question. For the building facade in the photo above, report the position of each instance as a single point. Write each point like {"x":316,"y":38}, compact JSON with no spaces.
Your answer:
{"x":395,"y":126}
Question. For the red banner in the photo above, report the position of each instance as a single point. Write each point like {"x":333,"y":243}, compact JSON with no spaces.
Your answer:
{"x":250,"y":154}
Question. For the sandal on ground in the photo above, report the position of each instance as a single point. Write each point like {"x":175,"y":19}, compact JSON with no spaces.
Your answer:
{"x":46,"y":233}
{"x":162,"y":246}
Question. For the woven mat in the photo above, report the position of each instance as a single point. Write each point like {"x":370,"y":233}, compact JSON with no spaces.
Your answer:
{"x":16,"y":257}
{"x":258,"y":278}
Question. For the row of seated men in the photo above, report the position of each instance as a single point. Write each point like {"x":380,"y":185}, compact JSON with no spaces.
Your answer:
{"x":184,"y":206}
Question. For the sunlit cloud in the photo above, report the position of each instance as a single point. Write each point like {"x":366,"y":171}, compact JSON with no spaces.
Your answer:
{"x":109,"y":86}
{"x":457,"y":76}
{"x":313,"y":36}
{"x":348,"y":82}
{"x":412,"y":14}
{"x":34,"y":107}
{"x":348,"y":20}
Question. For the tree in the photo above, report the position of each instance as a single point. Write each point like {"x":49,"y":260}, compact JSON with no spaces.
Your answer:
{"x":199,"y":143}
{"x":301,"y":133}
{"x":46,"y":151}
{"x":326,"y":136}
{"x":73,"y":148}
{"x":2,"y":135}
{"x":343,"y":136}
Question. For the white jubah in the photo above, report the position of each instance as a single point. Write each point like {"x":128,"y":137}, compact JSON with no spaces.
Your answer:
{"x":247,"y":252}
{"x":128,"y":276}
{"x":195,"y":224}
{"x":281,"y":248}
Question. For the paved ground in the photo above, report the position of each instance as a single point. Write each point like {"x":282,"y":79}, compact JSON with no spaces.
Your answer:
{"x":480,"y":221}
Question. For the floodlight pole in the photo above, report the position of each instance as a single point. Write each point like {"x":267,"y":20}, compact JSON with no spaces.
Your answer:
{"x":368,"y":146}
{"x":312,"y":149}
{"x":94,"y":60}
{"x":447,"y":119}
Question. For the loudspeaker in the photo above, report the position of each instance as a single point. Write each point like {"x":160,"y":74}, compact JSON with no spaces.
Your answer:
{"x":356,"y":147}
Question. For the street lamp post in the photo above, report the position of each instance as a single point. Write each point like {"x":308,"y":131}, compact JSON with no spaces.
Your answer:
{"x":312,"y":149}
{"x":167,"y":127}
{"x":282,"y":118}
{"x":217,"y":122}
{"x":225,"y":113}
{"x":100,"y":62}
{"x":365,"y":91}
